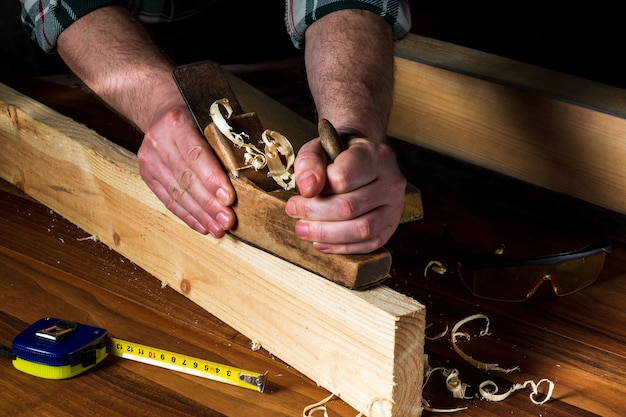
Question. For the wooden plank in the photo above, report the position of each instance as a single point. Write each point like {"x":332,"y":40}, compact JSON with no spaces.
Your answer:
{"x":542,"y":127}
{"x":587,"y":367}
{"x":260,"y":206}
{"x":261,"y":220}
{"x":49,"y":269}
{"x":359,"y":345}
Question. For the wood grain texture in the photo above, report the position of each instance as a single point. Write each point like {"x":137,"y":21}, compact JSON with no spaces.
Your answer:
{"x":542,"y":127}
{"x":260,"y":206}
{"x":262,"y":222}
{"x":49,"y":267}
{"x":579,"y":341}
{"x":325,"y":331}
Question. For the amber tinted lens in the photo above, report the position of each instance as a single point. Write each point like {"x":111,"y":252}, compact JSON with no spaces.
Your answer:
{"x":576,"y":274}
{"x":518,"y":282}
{"x":513,"y":283}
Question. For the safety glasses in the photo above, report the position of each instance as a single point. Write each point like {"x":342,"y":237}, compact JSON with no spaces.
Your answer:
{"x":503,"y":278}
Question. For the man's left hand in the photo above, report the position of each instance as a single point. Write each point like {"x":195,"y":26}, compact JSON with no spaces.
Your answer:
{"x":352,"y":205}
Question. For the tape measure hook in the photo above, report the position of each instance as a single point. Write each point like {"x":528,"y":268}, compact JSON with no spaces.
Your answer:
{"x":58,"y":331}
{"x":256,"y":380}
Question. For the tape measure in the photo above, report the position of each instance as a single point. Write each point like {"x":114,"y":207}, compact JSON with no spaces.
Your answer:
{"x":58,"y":349}
{"x":187,"y":364}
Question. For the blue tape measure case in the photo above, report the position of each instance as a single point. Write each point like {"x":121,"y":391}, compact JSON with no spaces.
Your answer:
{"x":58,"y":349}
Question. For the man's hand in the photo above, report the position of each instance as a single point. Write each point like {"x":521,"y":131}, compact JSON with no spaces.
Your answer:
{"x":352,"y":205}
{"x":115,"y":57}
{"x":181,"y":169}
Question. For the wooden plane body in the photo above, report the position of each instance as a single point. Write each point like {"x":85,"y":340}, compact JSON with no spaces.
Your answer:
{"x":260,"y":205}
{"x":262,"y":221}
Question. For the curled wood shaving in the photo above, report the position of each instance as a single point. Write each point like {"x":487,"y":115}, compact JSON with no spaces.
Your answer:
{"x":253,"y":157}
{"x":255,"y":346}
{"x":438,"y":335}
{"x":369,"y":409}
{"x":277,"y":147}
{"x":435,"y":266}
{"x":318,"y":406}
{"x":487,"y":389}
{"x":427,"y":407}
{"x":478,"y":364}
{"x":238,"y":139}
{"x":491,"y":394}
{"x":453,"y":384}
{"x":92,"y":237}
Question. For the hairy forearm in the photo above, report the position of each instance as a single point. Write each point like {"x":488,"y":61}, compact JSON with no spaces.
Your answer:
{"x":349,"y":59}
{"x":114,"y":56}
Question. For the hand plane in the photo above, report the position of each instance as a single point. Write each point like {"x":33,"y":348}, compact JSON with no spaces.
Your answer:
{"x":260,"y":203}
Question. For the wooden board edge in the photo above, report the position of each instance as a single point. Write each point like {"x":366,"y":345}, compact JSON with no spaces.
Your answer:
{"x":558,"y":143}
{"x":314,"y":325}
{"x":512,"y":73}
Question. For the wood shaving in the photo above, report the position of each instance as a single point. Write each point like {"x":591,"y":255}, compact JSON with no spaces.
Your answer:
{"x":437,"y":336}
{"x":318,"y":406}
{"x":453,"y":384}
{"x":478,"y":364}
{"x":427,"y":407}
{"x":491,"y":395}
{"x":487,"y":389}
{"x":369,"y":409}
{"x":436,"y":267}
{"x":92,"y":237}
{"x":277,"y":147}
{"x":255,"y":346}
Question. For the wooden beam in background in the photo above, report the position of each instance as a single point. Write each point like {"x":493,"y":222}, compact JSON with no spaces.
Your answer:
{"x":549,"y":129}
{"x":359,"y":345}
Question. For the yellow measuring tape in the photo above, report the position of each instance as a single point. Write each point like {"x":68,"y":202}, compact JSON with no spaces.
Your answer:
{"x":187,"y":364}
{"x":57,"y":349}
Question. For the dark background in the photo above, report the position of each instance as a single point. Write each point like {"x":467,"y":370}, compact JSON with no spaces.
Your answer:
{"x":582,"y":39}
{"x":579,"y":39}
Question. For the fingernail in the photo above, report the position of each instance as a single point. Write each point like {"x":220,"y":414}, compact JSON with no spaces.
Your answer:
{"x":290,"y":208}
{"x":302,"y":230}
{"x":306,"y":182}
{"x":322,"y":247}
{"x":223,"y":220}
{"x":223,"y":196}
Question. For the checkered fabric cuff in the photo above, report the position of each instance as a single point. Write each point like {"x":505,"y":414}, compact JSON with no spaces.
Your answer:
{"x":44,"y":20}
{"x":299,"y":14}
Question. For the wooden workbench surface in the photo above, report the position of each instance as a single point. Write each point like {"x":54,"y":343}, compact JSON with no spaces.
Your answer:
{"x":49,"y":267}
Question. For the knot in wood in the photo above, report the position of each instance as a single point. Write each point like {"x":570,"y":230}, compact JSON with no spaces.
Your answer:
{"x":185,"y":287}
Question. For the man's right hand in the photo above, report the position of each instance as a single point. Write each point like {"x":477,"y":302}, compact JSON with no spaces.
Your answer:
{"x":181,"y":169}
{"x":115,"y":57}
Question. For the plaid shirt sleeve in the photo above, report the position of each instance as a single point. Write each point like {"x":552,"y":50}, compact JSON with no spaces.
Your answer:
{"x":299,"y":14}
{"x":44,"y":20}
